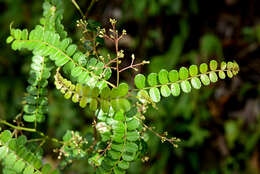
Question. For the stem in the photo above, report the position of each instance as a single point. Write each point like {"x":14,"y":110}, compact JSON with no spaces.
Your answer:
{"x":30,"y":130}
{"x":117,"y":62}
{"x":78,"y":8}
{"x":90,"y":7}
{"x":17,"y":127}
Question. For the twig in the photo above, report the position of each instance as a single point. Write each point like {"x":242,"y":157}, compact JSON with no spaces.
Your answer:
{"x":78,"y":8}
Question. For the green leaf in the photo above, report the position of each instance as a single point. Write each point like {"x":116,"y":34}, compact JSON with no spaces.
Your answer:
{"x":83,"y":102}
{"x":105,"y":105}
{"x":119,"y":116}
{"x":203,"y":68}
{"x":223,"y":65}
{"x":132,"y":136}
{"x":9,"y":39}
{"x":10,"y":159}
{"x":195,"y":82}
{"x":118,"y":147}
{"x":139,"y":81}
{"x":183,"y":73}
{"x":205,"y":79}
{"x":155,"y":94}
{"x":163,"y":76}
{"x":123,"y":165}
{"x":29,"y":118}
{"x":152,"y":79}
{"x":61,"y":61}
{"x":165,"y":91}
{"x":24,"y":34}
{"x":75,"y":72}
{"x":229,"y":74}
{"x":19,"y":166}
{"x":221,"y":74}
{"x":122,"y":103}
{"x":5,"y":136}
{"x":143,"y":96}
{"x":213,"y":77}
{"x":75,"y":98}
{"x":93,"y":105}
{"x":46,"y":169}
{"x":122,"y":89}
{"x":28,"y":170}
{"x":175,"y":88}
{"x":131,"y":147}
{"x":128,"y":157}
{"x":230,"y":65}
{"x":71,"y":49}
{"x":213,"y":65}
{"x":3,"y":151}
{"x":133,"y":124}
{"x":118,"y":171}
{"x":193,"y":69}
{"x":105,"y":93}
{"x":173,"y":76}
{"x":185,"y":86}
{"x":114,"y":155}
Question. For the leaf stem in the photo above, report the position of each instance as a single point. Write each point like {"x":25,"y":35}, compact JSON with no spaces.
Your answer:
{"x":17,"y":127}
{"x":78,"y":8}
{"x":30,"y":130}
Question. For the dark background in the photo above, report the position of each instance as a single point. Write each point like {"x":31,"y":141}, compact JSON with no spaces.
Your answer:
{"x":219,"y":125}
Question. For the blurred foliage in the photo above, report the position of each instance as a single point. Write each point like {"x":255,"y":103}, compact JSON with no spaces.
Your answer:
{"x":219,"y":125}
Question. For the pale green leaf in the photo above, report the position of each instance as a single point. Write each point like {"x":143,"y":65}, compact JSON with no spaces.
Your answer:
{"x":213,"y":64}
{"x":213,"y":77}
{"x":205,"y":79}
{"x":155,"y":94}
{"x":229,"y":74}
{"x":195,"y":82}
{"x":165,"y":91}
{"x":223,"y":65}
{"x":185,"y":86}
{"x":175,"y":88}
{"x":221,"y":74}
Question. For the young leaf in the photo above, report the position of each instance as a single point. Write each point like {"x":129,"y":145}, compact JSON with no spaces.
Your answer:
{"x":155,"y":94}
{"x":222,"y":74}
{"x":175,"y":88}
{"x":139,"y":81}
{"x":185,"y":86}
{"x":195,"y":82}
{"x":163,"y":76}
{"x":205,"y":79}
{"x":213,"y":65}
{"x":183,"y":73}
{"x":165,"y":91}
{"x":203,"y":68}
{"x":173,"y":76}
{"x":193,"y":69}
{"x":152,"y":79}
{"x":213,"y":77}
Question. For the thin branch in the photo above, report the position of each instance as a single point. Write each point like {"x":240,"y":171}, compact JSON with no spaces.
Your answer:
{"x":90,"y":7}
{"x":78,"y":8}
